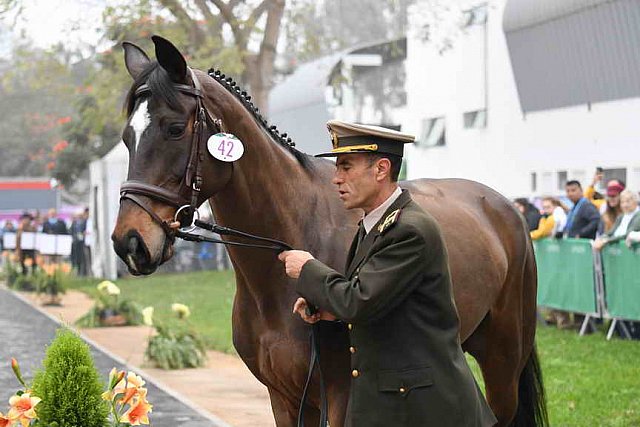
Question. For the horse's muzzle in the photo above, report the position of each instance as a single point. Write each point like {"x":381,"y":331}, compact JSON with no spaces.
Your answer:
{"x":135,"y":254}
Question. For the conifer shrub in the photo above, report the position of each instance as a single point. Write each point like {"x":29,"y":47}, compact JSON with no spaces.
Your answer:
{"x":69,"y":385}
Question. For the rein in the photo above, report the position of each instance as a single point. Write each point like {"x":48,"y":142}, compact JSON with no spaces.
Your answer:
{"x":132,"y":189}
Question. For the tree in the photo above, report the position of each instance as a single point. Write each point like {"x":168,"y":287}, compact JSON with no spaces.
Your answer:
{"x":255,"y":29}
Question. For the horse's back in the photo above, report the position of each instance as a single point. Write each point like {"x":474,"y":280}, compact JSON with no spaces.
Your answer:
{"x":485,"y":238}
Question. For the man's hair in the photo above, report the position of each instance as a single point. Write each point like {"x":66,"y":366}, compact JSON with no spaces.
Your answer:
{"x":396,"y":163}
{"x":573,"y":182}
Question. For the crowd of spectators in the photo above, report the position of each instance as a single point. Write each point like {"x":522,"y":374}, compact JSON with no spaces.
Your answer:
{"x":588,"y":214}
{"x":51,"y":223}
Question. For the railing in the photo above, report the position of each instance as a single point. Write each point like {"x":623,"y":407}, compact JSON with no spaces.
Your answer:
{"x":574,"y":277}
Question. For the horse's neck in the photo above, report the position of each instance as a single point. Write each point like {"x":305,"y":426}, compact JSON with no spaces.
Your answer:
{"x":268,"y":195}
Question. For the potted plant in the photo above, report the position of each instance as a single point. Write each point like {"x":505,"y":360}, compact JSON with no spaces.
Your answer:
{"x":175,"y":345}
{"x":51,"y":282}
{"x":111,"y":309}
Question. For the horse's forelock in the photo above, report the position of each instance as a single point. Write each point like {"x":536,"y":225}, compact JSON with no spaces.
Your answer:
{"x":160,"y":85}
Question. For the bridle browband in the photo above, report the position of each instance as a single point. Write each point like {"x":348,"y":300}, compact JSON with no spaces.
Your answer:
{"x":185,"y":208}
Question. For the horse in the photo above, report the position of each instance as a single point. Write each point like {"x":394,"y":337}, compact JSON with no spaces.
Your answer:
{"x":274,"y":190}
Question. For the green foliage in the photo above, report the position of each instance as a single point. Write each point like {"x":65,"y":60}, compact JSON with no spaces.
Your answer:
{"x":50,"y":283}
{"x":177,"y":346}
{"x":104,"y":308}
{"x":10,"y":272}
{"x":69,"y":386}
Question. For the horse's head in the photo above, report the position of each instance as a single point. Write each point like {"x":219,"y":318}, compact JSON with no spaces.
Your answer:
{"x":166,"y":135}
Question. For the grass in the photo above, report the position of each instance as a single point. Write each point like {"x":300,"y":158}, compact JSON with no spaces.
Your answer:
{"x":209,"y":295}
{"x":589,"y":381}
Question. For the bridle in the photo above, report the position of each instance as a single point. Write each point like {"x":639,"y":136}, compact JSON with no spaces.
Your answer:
{"x":187,"y":208}
{"x":192,"y":179}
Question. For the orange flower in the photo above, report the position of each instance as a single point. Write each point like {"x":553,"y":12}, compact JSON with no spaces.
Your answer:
{"x":138,"y":412}
{"x":23,"y":408}
{"x":4,"y":421}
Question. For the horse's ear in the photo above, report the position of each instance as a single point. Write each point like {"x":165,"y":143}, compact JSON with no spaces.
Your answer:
{"x":170,"y":58}
{"x":135,"y":59}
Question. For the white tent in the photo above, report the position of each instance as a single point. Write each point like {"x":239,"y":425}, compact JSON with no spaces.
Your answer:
{"x":106,"y":175}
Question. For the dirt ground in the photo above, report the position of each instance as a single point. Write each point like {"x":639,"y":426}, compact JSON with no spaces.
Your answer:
{"x":225,"y":387}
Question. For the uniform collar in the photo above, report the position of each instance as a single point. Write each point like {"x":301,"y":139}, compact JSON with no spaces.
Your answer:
{"x":369,"y":221}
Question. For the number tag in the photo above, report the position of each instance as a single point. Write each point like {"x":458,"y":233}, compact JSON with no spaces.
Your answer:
{"x":225,"y":147}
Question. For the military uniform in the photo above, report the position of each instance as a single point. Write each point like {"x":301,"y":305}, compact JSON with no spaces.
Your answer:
{"x":408,"y":368}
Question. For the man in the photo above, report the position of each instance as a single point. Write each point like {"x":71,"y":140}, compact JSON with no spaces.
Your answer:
{"x":53,"y":224}
{"x":583,"y":218}
{"x":408,"y":368}
{"x":78,"y":233}
{"x":25,"y":226}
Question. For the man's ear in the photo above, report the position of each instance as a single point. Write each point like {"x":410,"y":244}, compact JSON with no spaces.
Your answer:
{"x":383,"y":168}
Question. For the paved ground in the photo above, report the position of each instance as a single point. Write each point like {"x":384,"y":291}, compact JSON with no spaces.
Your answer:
{"x":24,"y":333}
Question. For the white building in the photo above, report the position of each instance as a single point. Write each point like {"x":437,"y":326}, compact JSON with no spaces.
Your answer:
{"x":531,"y":94}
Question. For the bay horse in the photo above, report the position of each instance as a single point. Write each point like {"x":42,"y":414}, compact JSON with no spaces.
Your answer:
{"x":276,"y":191}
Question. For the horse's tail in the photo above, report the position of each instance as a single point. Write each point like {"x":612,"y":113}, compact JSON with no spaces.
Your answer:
{"x":532,"y":406}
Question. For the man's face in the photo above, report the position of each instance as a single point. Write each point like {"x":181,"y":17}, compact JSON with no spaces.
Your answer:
{"x":356,"y":180}
{"x":574,"y":192}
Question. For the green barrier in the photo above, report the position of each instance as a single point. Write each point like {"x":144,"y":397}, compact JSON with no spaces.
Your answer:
{"x":622,"y":280}
{"x":566,"y":275}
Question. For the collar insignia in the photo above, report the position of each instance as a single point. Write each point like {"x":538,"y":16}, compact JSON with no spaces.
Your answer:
{"x":389,"y":220}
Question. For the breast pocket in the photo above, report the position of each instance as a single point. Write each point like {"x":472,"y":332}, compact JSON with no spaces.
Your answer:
{"x":402,"y":382}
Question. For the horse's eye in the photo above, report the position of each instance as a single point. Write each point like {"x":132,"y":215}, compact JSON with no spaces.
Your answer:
{"x":176,"y":130}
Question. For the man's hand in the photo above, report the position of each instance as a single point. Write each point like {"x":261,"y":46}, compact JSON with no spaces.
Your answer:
{"x":300,"y":307}
{"x":294,"y":261}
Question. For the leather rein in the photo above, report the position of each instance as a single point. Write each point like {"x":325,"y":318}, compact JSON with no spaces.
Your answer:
{"x":187,"y":208}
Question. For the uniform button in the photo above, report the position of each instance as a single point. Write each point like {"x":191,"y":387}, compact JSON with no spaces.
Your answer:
{"x":352,"y":350}
{"x":355,"y":373}
{"x":350,"y":326}
{"x":402,"y":390}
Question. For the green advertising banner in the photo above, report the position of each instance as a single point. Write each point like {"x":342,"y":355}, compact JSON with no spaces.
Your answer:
{"x":566,"y":275}
{"x":621,"y":267}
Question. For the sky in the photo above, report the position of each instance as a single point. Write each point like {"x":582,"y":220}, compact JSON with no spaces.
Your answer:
{"x":47,"y":22}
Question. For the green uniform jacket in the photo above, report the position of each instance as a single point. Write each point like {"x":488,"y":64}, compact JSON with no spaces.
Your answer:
{"x":408,"y":368}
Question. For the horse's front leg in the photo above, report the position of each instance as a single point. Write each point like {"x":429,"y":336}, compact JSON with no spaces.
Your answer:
{"x":285,"y":410}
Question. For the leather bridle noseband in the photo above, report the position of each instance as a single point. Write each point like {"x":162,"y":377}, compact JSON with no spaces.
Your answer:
{"x":185,"y":208}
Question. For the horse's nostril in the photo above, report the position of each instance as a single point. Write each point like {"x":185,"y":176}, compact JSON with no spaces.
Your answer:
{"x":133,"y":245}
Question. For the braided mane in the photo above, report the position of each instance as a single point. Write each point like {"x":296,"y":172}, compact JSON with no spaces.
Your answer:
{"x":281,"y":138}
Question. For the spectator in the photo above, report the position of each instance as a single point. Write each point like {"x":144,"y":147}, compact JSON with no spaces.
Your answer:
{"x":610,"y":208}
{"x":53,"y":224}
{"x":626,"y":223}
{"x":26,"y":225}
{"x":583,"y":218}
{"x":529,"y":211}
{"x":552,"y":222}
{"x":78,"y":233}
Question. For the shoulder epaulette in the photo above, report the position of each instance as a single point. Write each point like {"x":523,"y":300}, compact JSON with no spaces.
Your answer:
{"x":391,"y":219}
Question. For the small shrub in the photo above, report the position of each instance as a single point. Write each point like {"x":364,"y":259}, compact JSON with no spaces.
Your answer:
{"x":69,"y":386}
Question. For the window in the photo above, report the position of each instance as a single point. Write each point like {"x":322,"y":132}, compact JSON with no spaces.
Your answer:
{"x":620,"y":174}
{"x":433,"y":132}
{"x":534,"y":182}
{"x":475,"y":119}
{"x":475,"y":16}
{"x":562,"y":179}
